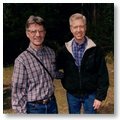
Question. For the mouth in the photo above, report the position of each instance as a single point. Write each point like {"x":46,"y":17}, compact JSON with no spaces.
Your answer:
{"x":37,"y":39}
{"x":79,"y":35}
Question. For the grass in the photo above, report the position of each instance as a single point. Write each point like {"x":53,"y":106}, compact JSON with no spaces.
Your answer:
{"x":107,"y":106}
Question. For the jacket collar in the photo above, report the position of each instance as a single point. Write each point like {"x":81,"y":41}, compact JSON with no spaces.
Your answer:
{"x":89,"y":45}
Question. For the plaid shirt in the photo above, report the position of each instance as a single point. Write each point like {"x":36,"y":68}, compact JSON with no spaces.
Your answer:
{"x":78,"y":51}
{"x":30,"y":82}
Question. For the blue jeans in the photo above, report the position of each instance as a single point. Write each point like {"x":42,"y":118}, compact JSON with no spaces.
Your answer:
{"x":37,"y":108}
{"x":75,"y":103}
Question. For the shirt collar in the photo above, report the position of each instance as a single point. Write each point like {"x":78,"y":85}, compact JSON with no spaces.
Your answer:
{"x":82,"y":44}
{"x":36,"y":51}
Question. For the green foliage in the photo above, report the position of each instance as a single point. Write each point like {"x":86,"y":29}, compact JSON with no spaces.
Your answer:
{"x":103,"y":30}
{"x":100,"y":25}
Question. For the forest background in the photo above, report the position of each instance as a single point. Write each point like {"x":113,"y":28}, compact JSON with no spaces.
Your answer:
{"x":100,"y":25}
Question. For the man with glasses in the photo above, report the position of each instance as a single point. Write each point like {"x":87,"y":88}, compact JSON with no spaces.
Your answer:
{"x":34,"y":70}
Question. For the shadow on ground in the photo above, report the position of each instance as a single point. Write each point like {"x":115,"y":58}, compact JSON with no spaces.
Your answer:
{"x":6,"y":97}
{"x":107,"y":109}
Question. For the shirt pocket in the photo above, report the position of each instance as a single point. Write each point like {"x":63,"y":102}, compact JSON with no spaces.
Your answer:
{"x":34,"y":71}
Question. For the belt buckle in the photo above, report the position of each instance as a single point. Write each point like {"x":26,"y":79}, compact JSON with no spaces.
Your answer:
{"x":45,"y":101}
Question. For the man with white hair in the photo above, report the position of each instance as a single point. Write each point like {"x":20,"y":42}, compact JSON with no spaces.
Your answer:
{"x":85,"y":73}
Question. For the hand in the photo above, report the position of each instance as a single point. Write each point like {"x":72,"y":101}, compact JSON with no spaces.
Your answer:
{"x":59,"y":75}
{"x":96,"y":104}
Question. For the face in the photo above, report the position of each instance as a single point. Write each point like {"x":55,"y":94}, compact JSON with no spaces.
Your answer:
{"x":36,"y":34}
{"x":78,"y":29}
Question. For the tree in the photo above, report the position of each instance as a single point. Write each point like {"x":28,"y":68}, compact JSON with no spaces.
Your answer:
{"x":100,"y":24}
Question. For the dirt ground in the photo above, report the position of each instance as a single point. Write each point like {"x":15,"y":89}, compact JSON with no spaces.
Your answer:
{"x":106,"y":108}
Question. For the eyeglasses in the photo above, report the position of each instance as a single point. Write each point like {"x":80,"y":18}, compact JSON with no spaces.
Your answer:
{"x":35,"y":31}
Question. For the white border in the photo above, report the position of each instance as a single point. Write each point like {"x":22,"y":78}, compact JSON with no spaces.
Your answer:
{"x":116,"y":116}
{"x":60,"y":1}
{"x":1,"y":57}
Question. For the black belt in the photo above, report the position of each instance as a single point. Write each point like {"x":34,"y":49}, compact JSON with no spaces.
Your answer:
{"x":44,"y":101}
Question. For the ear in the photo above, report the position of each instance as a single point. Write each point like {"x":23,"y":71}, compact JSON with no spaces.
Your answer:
{"x":71,"y":29}
{"x":27,"y":34}
{"x":85,"y":27}
{"x":45,"y":32}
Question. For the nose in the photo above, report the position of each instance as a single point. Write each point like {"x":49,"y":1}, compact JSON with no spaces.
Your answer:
{"x":78,"y":28}
{"x":37,"y":33}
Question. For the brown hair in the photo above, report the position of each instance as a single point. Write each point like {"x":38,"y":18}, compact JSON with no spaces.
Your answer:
{"x":34,"y":19}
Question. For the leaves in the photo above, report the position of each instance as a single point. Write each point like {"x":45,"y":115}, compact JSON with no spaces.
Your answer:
{"x":100,"y":24}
